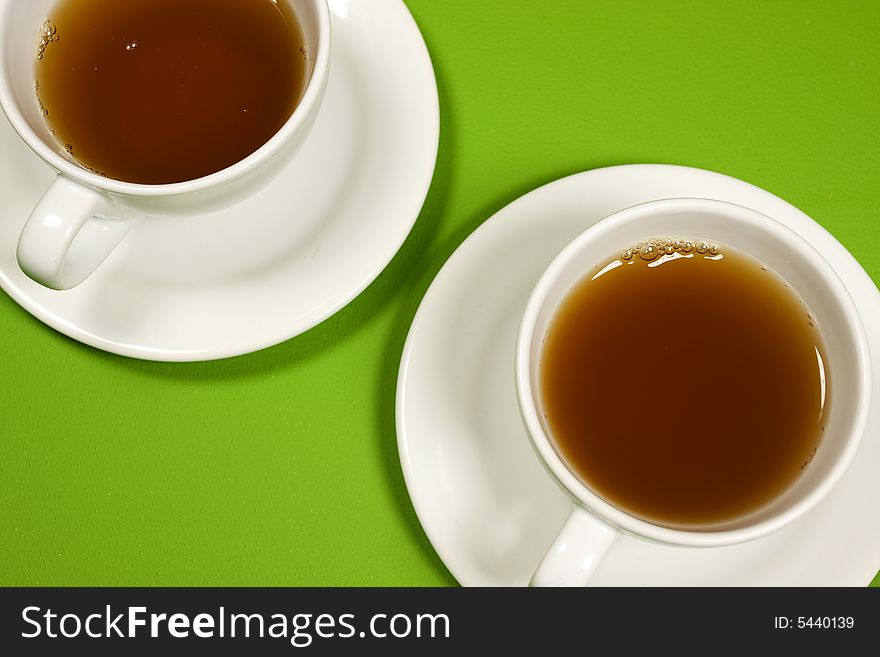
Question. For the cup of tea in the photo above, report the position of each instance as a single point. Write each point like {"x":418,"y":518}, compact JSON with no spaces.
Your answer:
{"x":153,"y":108}
{"x":690,"y":372}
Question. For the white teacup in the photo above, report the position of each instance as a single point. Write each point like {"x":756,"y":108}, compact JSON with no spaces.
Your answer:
{"x":594,"y":524}
{"x":79,"y":197}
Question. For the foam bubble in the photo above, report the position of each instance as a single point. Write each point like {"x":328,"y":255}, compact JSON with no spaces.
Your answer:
{"x":650,"y":249}
{"x":48,"y":34}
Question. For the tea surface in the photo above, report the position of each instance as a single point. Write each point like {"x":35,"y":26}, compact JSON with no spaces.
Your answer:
{"x":162,"y":91}
{"x":688,"y":388}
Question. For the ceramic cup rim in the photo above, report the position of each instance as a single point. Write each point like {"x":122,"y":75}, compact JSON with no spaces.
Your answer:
{"x":580,"y":492}
{"x":294,"y":124}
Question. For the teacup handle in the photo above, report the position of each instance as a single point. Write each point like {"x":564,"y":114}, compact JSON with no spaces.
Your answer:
{"x":578,"y":551}
{"x":44,"y":246}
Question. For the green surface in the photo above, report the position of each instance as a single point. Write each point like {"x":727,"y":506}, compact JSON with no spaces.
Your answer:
{"x":280,"y":468}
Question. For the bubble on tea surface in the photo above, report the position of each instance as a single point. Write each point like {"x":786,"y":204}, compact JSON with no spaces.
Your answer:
{"x":653,"y":248}
{"x":48,"y":34}
{"x":648,"y":251}
{"x":132,"y":45}
{"x":810,"y":458}
{"x":97,"y":172}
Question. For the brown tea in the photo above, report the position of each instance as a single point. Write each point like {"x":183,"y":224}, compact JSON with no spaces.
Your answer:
{"x":163,"y":91}
{"x":684,"y":383}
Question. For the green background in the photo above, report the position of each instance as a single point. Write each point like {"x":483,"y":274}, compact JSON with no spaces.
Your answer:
{"x":280,"y":467}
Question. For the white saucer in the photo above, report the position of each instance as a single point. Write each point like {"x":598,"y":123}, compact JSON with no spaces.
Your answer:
{"x":276,"y":265}
{"x":483,"y":499}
